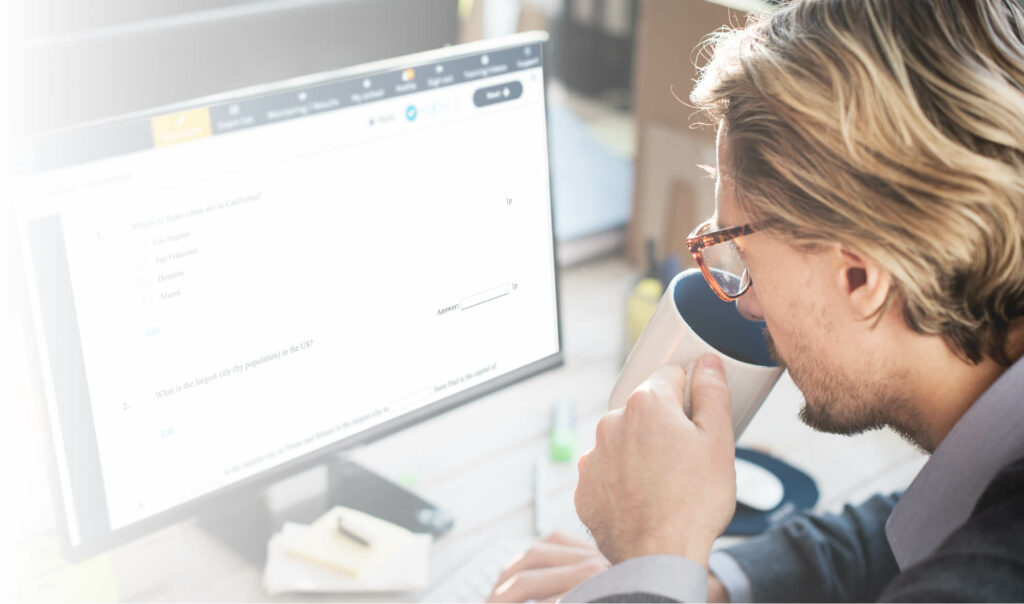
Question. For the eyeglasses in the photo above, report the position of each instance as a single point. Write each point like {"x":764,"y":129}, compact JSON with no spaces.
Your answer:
{"x":719,"y":259}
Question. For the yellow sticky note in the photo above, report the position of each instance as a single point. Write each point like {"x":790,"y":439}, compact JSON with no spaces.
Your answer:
{"x":321,"y":542}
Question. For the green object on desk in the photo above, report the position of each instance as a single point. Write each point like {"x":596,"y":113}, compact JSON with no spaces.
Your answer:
{"x":563,"y":445}
{"x":563,"y":432}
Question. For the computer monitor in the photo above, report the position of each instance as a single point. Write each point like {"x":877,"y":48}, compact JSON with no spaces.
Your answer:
{"x":231,"y":290}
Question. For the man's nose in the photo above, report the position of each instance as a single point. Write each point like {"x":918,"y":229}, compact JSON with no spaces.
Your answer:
{"x":750,"y":306}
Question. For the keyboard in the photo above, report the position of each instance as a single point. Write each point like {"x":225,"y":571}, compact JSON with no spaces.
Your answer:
{"x":474,"y":581}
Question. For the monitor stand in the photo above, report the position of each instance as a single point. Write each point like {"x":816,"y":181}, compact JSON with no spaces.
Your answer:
{"x":247,"y":521}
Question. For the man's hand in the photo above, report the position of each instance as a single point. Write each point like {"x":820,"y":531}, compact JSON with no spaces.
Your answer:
{"x":548,"y":570}
{"x":657,"y":482}
{"x":716,"y":591}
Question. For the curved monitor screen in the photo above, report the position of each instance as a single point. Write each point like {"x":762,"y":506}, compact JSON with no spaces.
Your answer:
{"x":228,"y":287}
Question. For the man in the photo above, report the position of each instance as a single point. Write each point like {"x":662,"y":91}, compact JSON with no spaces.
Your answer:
{"x":875,"y":150}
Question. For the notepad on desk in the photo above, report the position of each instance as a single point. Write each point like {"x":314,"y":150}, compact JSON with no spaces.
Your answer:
{"x":320,"y":558}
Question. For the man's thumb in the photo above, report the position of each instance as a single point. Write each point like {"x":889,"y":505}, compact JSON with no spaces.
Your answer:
{"x":709,"y":395}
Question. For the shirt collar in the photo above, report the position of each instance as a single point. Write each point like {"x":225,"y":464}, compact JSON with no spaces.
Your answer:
{"x":943,"y":495}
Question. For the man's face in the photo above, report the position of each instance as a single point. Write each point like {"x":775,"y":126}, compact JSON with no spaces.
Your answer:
{"x":835,"y":358}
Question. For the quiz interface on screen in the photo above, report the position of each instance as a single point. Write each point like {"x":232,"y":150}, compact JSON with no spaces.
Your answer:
{"x":235,"y":285}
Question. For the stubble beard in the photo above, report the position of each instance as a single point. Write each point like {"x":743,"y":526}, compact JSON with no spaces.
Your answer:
{"x":838,"y":404}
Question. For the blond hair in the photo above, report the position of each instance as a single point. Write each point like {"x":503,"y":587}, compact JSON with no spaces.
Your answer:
{"x":894,"y":127}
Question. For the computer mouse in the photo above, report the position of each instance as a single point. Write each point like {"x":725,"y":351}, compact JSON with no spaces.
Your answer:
{"x":756,"y":487}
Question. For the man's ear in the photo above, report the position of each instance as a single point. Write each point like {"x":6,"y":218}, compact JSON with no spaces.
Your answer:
{"x":864,"y":283}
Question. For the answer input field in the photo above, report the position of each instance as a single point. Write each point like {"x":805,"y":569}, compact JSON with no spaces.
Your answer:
{"x":485,"y":296}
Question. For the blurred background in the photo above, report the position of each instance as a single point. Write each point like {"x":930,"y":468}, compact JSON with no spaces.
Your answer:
{"x":624,"y":152}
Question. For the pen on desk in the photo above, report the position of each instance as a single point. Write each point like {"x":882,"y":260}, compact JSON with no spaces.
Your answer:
{"x":539,"y":476}
{"x":351,"y":533}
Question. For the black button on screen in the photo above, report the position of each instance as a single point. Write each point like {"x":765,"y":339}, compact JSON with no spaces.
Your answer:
{"x":497,"y":93}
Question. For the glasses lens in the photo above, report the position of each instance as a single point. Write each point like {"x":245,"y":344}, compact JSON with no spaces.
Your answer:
{"x":727,"y":267}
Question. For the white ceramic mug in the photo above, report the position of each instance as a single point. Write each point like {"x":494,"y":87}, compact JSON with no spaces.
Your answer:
{"x":691,"y":320}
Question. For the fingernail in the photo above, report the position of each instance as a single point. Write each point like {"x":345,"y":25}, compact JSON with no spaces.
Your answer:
{"x":710,"y":362}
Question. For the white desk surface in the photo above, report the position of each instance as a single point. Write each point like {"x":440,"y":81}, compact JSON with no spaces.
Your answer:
{"x":477,"y":461}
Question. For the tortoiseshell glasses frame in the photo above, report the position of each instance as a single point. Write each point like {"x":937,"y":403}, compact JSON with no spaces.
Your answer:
{"x":725,"y":272}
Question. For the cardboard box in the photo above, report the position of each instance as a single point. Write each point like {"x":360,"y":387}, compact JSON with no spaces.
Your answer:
{"x":672,"y":194}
